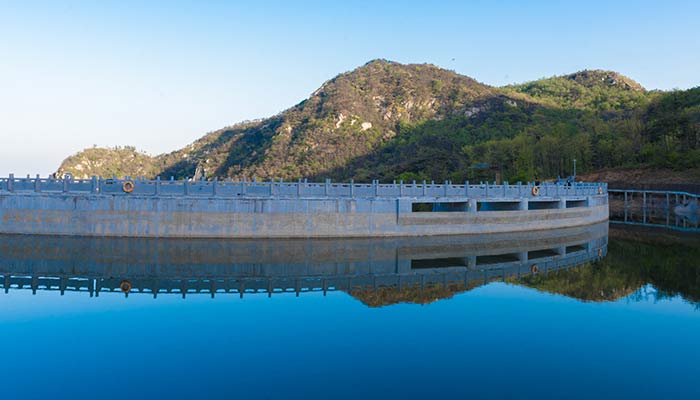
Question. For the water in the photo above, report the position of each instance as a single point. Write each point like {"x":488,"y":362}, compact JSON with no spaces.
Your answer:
{"x":604,"y":314}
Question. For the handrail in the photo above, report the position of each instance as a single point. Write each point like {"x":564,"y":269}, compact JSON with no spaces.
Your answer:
{"x":651,"y":213}
{"x":653,"y":192}
{"x":229,"y":188}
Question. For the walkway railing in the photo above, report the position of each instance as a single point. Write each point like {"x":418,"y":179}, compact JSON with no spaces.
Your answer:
{"x":227,"y":188}
{"x":693,"y":188}
{"x":655,"y":208}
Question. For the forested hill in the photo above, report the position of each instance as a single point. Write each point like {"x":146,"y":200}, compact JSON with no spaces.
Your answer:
{"x":387,"y":121}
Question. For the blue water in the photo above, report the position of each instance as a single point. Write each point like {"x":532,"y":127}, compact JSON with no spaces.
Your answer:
{"x":617,"y":319}
{"x":499,"y":341}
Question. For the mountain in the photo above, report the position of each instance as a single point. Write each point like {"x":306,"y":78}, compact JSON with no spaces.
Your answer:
{"x":118,"y":161}
{"x":597,"y":90}
{"x":386,"y":120}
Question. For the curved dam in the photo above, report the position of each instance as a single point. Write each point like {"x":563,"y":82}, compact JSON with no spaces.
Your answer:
{"x":225,"y":209}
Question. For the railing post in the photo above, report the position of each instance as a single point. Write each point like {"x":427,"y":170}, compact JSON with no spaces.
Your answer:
{"x":466,"y":188}
{"x":93,"y":185}
{"x":37,"y":183}
{"x":157,"y":189}
{"x":401,"y":188}
{"x":65,"y":185}
{"x":243,"y":186}
{"x":644,"y":207}
{"x":186,"y":186}
{"x":11,"y":183}
{"x":326,"y":187}
{"x":352,"y":188}
{"x":213,"y":186}
{"x":445,"y":189}
{"x":376,"y":187}
{"x":424,"y":188}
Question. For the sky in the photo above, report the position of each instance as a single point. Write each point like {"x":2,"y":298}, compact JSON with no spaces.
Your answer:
{"x":159,"y":75}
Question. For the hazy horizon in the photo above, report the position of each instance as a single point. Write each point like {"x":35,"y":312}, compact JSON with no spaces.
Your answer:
{"x":159,"y":76}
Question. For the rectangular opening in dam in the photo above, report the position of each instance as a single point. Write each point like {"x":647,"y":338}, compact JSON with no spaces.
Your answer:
{"x":439,"y":207}
{"x":575,"y":203}
{"x":534,"y":255}
{"x":573,"y":249}
{"x":543,"y":205}
{"x":497,"y":259}
{"x":439,"y":263}
{"x":498,"y":205}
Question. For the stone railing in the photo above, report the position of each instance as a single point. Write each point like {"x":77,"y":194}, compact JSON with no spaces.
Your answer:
{"x":227,"y":188}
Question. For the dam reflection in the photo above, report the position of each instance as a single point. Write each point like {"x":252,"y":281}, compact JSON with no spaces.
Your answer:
{"x":361,"y":267}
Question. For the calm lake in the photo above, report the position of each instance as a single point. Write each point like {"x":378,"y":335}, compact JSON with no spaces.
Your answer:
{"x":578,"y":313}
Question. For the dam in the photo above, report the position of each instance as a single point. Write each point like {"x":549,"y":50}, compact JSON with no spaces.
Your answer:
{"x":276,"y":209}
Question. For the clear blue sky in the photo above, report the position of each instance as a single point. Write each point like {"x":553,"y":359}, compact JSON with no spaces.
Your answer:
{"x":158,"y":76}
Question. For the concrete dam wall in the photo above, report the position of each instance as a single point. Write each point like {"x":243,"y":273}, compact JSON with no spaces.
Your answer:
{"x":222,"y":209}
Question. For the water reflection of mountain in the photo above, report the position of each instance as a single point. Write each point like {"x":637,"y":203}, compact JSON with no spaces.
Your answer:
{"x":637,"y":257}
{"x":377,"y":271}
